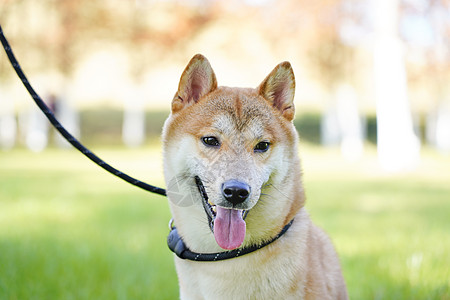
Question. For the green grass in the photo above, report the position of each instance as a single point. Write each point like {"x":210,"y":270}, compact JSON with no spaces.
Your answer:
{"x":68,"y":230}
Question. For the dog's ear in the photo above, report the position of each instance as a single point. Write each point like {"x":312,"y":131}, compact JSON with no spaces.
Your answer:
{"x":279,"y":88}
{"x":197,"y":80}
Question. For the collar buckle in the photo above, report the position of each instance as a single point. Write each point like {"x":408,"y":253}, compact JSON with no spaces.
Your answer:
{"x":174,"y":241}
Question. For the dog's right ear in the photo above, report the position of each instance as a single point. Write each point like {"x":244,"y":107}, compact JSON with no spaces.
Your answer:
{"x":197,"y":80}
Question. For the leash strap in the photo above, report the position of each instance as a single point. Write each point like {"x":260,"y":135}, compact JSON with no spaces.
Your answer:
{"x":69,"y":137}
{"x":177,"y":246}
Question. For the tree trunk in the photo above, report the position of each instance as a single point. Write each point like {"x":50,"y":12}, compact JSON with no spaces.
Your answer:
{"x":398,"y":147}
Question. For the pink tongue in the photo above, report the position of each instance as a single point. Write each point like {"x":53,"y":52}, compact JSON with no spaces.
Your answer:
{"x":229,"y":228}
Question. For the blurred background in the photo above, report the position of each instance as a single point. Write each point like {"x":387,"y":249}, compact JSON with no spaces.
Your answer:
{"x":372,"y":110}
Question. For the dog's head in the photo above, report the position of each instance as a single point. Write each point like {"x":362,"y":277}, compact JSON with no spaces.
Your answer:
{"x":240,"y":145}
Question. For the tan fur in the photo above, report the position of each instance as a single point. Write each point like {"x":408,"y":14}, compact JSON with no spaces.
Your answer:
{"x":302,"y":264}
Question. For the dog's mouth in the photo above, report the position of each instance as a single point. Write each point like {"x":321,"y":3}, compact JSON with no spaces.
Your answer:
{"x":227,"y":224}
{"x":211,"y":211}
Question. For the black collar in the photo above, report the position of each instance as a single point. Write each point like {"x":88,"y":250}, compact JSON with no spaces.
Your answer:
{"x":177,"y":246}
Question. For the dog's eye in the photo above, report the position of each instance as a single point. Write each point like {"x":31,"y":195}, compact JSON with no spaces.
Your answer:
{"x":262,"y":147}
{"x":210,"y":141}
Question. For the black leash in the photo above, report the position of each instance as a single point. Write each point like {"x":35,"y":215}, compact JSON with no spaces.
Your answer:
{"x":69,"y":137}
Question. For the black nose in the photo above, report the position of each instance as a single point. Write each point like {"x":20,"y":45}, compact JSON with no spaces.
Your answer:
{"x":235,"y":191}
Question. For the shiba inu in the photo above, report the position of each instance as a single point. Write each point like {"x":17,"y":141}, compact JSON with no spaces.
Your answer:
{"x":234,"y":185}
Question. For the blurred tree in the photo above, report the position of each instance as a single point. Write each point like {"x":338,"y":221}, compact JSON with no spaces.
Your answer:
{"x":429,"y":64}
{"x":313,"y":29}
{"x":429,"y":55}
{"x":398,"y":147}
{"x":332,"y":60}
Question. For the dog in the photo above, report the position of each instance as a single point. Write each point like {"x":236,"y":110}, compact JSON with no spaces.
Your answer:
{"x":233,"y":180}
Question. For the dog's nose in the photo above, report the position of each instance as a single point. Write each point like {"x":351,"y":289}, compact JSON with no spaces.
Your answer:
{"x":235,"y":191}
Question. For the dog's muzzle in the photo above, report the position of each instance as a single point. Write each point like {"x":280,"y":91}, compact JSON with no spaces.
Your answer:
{"x":232,"y":190}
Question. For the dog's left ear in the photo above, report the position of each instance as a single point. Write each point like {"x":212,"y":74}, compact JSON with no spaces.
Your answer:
{"x":197,"y":80}
{"x":279,"y":88}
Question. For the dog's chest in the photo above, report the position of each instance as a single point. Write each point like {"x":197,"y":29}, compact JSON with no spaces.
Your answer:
{"x":250,"y":277}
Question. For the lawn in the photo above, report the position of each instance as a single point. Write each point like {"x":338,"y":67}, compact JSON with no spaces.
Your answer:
{"x":69,"y":230}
